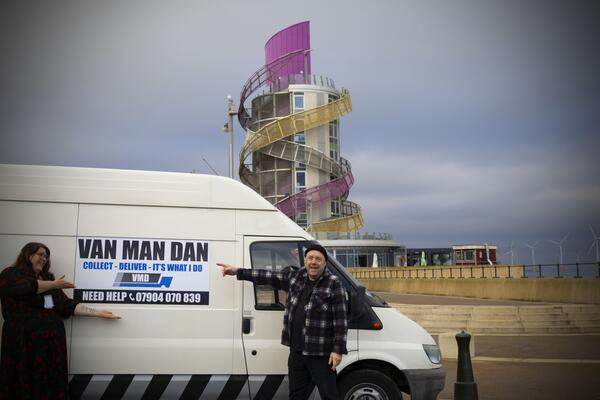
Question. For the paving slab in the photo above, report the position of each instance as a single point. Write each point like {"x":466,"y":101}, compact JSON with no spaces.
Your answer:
{"x":528,"y":381}
{"x":522,"y":366}
{"x":575,"y":346}
{"x":405,"y":298}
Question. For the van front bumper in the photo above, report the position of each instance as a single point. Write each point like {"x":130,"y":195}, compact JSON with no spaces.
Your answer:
{"x":425,"y":384}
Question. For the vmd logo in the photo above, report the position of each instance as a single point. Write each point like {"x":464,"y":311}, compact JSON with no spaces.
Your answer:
{"x":140,"y":277}
{"x":131,"y":279}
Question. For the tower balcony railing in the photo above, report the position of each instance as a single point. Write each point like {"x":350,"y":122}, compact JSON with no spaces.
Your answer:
{"x":283,"y":82}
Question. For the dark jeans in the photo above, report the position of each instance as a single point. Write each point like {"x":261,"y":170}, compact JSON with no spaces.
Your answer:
{"x":306,"y":371}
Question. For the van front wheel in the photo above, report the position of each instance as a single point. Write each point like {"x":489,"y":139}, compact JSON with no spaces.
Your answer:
{"x":368,"y":385}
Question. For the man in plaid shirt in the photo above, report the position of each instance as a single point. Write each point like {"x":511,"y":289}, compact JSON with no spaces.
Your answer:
{"x":315,"y":323}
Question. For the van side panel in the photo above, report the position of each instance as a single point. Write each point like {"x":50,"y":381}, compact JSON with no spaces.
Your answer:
{"x":267,"y":223}
{"x":39,"y":218}
{"x":156,"y":222}
{"x":164,"y":339}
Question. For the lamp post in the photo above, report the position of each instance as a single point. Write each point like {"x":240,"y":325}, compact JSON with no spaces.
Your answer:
{"x":228,"y":128}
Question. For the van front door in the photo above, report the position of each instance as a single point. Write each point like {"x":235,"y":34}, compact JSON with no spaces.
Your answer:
{"x":263,"y":308}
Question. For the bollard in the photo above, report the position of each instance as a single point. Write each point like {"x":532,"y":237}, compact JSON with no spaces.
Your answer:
{"x":465,"y":387}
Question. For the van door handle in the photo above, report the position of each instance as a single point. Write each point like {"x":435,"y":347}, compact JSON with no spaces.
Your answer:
{"x":246,"y":325}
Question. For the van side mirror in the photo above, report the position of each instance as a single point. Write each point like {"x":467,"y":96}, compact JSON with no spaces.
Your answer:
{"x":357,"y":303}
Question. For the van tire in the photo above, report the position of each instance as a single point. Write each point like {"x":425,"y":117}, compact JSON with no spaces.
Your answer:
{"x":368,"y":384}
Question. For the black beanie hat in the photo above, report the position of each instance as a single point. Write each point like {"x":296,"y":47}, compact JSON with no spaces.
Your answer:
{"x":317,"y":247}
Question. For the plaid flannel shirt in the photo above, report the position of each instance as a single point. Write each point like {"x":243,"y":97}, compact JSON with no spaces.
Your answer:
{"x":326,"y":325}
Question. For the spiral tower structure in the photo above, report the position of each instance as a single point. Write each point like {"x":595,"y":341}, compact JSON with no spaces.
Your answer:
{"x":293,"y":135}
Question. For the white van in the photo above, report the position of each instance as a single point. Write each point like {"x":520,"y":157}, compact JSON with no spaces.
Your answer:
{"x":145,"y":245}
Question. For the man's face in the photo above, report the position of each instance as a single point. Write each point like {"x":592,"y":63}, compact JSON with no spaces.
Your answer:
{"x":315,"y":264}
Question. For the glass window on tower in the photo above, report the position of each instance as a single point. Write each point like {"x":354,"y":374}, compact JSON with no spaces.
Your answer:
{"x":300,"y":181}
{"x":334,"y":154}
{"x":333,"y":132}
{"x":335,"y":208}
{"x":334,"y":144}
{"x":302,"y":219}
{"x":298,"y":102}
{"x":300,"y":138}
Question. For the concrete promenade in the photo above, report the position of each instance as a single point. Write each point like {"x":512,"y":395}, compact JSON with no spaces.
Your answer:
{"x":522,"y":366}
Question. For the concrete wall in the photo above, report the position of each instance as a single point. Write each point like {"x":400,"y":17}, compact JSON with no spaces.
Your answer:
{"x":564,"y":290}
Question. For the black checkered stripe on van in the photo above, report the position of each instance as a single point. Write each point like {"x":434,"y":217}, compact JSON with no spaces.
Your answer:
{"x":180,"y":387}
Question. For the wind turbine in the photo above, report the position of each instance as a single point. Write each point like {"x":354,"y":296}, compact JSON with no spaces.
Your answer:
{"x":532,"y":247}
{"x":511,"y":252}
{"x":559,"y":244}
{"x":596,"y":244}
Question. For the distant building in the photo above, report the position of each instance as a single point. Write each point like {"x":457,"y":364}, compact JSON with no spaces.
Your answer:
{"x":433,"y":256}
{"x":367,"y":250}
{"x":474,"y":254}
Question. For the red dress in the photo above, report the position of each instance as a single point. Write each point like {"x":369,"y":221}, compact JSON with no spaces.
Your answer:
{"x":34,"y":350}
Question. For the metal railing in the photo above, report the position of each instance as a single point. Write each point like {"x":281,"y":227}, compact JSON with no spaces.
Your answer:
{"x":283,"y":82}
{"x":576,"y":270}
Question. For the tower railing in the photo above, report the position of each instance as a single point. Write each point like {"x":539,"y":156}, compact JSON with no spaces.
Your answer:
{"x":283,"y":82}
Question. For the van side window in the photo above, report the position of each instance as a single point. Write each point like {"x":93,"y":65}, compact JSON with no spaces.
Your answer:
{"x":276,"y":256}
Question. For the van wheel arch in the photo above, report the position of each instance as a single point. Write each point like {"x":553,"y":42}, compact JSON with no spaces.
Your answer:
{"x":386,"y":368}
{"x":368,"y":384}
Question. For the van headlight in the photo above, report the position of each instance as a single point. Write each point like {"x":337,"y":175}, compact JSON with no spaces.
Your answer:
{"x":433,"y":352}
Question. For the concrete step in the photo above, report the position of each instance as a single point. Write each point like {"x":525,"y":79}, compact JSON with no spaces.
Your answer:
{"x":425,"y":314}
{"x":585,"y":322}
{"x":516,"y":330}
{"x":513,"y":330}
{"x":496,"y":309}
{"x":541,"y":319}
{"x":491,"y":317}
{"x":583,"y":315}
{"x":590,"y":329}
{"x":444,"y":324}
{"x":580,"y":307}
{"x":544,"y":317}
{"x":524,"y":323}
{"x":549,"y":323}
{"x":518,"y":317}
{"x":440,"y":317}
{"x":481,"y":310}
{"x":432,"y":312}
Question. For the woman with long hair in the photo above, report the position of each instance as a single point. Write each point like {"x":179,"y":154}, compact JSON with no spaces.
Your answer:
{"x":33,"y":361}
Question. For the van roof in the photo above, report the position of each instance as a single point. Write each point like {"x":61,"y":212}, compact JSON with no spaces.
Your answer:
{"x":127,"y":187}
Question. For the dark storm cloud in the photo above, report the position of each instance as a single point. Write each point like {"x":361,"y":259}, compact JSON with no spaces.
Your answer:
{"x":473,"y":121}
{"x":117,"y":84}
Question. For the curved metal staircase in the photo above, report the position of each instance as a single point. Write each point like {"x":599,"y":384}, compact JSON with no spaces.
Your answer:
{"x":272,"y":139}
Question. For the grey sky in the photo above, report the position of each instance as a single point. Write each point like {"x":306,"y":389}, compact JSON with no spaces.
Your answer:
{"x":473,"y":121}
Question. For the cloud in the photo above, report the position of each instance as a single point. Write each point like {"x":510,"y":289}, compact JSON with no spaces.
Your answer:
{"x":430,"y":197}
{"x":472,"y":121}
